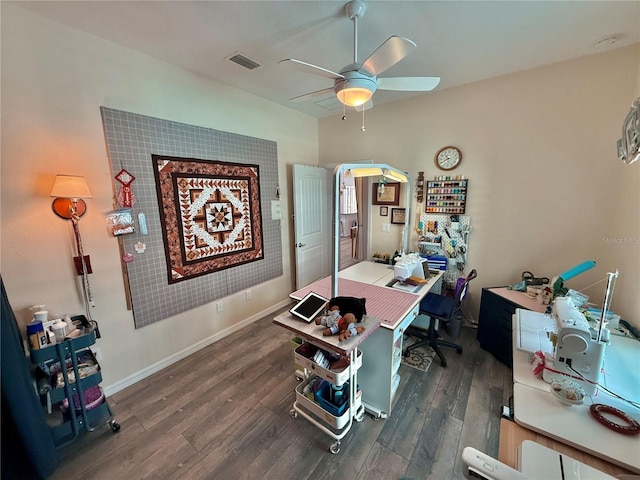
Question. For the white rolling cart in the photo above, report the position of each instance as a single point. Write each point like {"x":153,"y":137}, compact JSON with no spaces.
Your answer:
{"x":336,"y":426}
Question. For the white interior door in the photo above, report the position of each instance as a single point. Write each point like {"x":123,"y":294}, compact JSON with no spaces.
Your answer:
{"x":311,"y":209}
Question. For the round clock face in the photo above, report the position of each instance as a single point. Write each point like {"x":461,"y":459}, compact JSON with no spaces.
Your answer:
{"x":448,"y":158}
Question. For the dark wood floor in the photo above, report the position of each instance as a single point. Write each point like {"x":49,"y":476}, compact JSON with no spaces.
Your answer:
{"x":223,"y":413}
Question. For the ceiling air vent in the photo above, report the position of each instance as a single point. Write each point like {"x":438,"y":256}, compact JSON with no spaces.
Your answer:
{"x":243,"y":61}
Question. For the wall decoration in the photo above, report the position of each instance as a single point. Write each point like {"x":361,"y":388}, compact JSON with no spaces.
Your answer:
{"x":389,"y":195}
{"x":384,"y":211}
{"x":131,"y":140}
{"x":398,"y":215}
{"x":126,"y":197}
{"x":210,"y":214}
{"x":119,"y":222}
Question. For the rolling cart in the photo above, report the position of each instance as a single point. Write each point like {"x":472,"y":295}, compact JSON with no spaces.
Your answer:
{"x":66,"y":380}
{"x":335,"y":421}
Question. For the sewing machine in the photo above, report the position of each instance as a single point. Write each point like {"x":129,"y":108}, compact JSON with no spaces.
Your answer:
{"x":579,"y":349}
{"x":409,"y":272}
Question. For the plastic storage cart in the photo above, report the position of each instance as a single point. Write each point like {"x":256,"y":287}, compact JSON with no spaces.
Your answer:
{"x":67,"y":387}
{"x":334,"y":421}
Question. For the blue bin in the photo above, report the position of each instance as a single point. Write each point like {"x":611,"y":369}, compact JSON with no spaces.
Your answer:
{"x":323,"y":396}
{"x":437,"y":262}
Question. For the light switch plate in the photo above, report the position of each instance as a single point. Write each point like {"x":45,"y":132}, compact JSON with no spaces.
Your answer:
{"x":276,"y":212}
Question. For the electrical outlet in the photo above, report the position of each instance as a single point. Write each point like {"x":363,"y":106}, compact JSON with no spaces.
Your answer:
{"x":97,"y":353}
{"x":248,"y":294}
{"x":219,"y":307}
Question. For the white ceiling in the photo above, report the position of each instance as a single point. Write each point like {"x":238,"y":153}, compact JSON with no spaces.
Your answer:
{"x":460,"y":41}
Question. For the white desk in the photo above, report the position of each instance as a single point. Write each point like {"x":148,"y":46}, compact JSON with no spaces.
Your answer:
{"x":382,"y":350}
{"x":536,"y":409}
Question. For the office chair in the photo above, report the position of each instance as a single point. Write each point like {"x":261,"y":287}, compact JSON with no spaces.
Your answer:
{"x":440,"y":308}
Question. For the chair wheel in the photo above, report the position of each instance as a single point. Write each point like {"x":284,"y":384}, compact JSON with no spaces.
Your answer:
{"x":459,"y":350}
{"x":443,"y":363}
{"x":406,"y":353}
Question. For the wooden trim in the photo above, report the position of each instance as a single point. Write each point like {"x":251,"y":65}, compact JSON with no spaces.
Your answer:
{"x":512,"y":435}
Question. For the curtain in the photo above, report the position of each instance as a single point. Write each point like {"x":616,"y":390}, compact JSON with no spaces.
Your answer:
{"x":360,"y":195}
{"x":28,"y":450}
{"x":348,"y":202}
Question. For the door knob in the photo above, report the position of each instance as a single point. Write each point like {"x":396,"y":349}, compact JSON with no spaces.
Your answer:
{"x":301,"y":245}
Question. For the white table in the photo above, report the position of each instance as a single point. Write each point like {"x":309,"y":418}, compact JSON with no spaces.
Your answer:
{"x":537,"y":409}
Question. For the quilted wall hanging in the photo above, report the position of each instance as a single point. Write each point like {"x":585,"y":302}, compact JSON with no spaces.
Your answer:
{"x":210,"y":213}
{"x":173,"y":266}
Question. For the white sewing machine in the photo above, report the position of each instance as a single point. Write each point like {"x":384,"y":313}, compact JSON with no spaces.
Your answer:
{"x":408,"y":265}
{"x":579,"y":349}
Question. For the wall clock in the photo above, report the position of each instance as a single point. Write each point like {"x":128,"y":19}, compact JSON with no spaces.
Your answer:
{"x":448,"y":158}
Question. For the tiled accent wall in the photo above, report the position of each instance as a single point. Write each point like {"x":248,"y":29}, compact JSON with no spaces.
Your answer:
{"x":131,"y":139}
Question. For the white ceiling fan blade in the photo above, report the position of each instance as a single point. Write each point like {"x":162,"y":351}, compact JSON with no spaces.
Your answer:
{"x":365,"y":106}
{"x":408,"y":84}
{"x":310,"y":68}
{"x":388,"y":54}
{"x":317,"y":93}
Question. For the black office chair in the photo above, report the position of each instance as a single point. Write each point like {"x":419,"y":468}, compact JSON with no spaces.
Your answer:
{"x":441,"y":309}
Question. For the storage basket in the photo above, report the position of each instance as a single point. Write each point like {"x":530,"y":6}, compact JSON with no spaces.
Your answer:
{"x":338,"y":377}
{"x":93,"y":397}
{"x":323,"y":396}
{"x":312,"y":406}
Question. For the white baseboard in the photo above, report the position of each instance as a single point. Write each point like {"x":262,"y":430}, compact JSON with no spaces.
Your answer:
{"x":156,"y":367}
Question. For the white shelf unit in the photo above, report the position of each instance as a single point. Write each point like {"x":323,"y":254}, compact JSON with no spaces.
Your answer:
{"x":379,"y":375}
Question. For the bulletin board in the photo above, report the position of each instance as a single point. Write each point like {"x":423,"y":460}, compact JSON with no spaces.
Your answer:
{"x":239,"y":177}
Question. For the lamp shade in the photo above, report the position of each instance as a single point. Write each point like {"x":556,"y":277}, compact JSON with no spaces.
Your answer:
{"x":354,"y":96}
{"x":70,"y":186}
{"x":355,"y":89}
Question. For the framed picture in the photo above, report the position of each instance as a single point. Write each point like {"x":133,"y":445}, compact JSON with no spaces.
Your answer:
{"x":390,"y":195}
{"x":398,"y":215}
{"x":384,"y":211}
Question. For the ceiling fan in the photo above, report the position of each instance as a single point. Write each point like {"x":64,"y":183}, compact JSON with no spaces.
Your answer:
{"x":355,"y":83}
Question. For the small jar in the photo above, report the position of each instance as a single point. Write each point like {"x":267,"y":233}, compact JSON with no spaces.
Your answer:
{"x":60,"y":330}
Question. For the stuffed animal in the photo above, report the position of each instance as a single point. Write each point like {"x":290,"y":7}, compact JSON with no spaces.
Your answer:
{"x":344,"y":325}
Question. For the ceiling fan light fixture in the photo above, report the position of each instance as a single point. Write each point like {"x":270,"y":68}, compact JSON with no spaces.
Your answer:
{"x":354,"y":90}
{"x":354,"y":96}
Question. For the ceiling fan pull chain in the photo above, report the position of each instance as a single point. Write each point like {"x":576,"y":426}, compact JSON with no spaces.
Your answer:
{"x":363,"y":128}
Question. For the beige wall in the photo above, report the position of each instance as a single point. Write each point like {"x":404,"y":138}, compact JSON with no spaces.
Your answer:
{"x":546,"y":190}
{"x":54,"y":80}
{"x":538,"y":146}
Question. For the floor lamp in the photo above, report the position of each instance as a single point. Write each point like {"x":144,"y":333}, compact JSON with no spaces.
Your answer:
{"x":69,"y":191}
